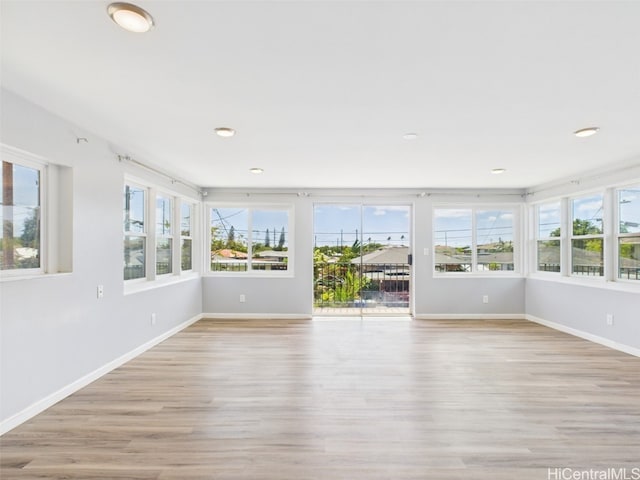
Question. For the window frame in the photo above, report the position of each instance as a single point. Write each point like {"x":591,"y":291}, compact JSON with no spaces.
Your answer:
{"x":144,"y":234}
{"x":29,"y":161}
{"x":537,"y":238}
{"x":617,"y":235}
{"x":251,"y":208}
{"x":611,"y":236}
{"x":515,"y":209}
{"x":151,"y":278}
{"x":164,"y":236}
{"x":606,"y":226}
{"x":192,"y":210}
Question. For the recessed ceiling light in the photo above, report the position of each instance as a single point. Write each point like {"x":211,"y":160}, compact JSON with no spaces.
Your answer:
{"x":498,"y":171}
{"x":256,"y":170}
{"x":410,"y":136}
{"x":225,"y":132}
{"x":586,"y":132}
{"x":130,"y":17}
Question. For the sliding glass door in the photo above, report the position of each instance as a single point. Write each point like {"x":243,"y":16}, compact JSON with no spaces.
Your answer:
{"x":362,"y":259}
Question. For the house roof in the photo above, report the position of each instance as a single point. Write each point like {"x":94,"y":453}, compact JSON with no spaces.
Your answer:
{"x":228,"y":253}
{"x":384,"y":255}
{"x":273,"y":253}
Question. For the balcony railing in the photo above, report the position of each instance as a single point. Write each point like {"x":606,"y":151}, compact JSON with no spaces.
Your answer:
{"x":241,"y":266}
{"x":340,"y":285}
{"x":632,"y":273}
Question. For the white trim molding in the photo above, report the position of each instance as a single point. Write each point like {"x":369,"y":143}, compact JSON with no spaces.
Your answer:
{"x":470,"y":316}
{"x":50,"y":400}
{"x":585,"y":335}
{"x":256,"y":316}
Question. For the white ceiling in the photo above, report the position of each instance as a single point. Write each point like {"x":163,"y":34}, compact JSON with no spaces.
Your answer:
{"x":321,"y":92}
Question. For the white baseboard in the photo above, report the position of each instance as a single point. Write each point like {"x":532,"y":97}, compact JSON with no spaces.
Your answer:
{"x":50,"y":400}
{"x":470,"y":316}
{"x":587,"y":336}
{"x":257,"y":316}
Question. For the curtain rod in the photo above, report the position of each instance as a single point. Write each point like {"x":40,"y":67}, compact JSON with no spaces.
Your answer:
{"x":578,"y":181}
{"x":191,"y":186}
{"x":396,"y":194}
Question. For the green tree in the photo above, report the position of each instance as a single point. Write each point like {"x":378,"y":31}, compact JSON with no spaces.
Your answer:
{"x":267,"y":240}
{"x":31,"y":231}
{"x":584,"y":227}
{"x":281,"y":240}
{"x":580,"y":227}
{"x":231,"y":237}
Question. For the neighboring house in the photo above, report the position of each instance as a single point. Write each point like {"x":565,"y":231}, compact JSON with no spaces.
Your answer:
{"x":273,"y":256}
{"x":228,"y":255}
{"x":384,"y":256}
{"x":388,"y":270}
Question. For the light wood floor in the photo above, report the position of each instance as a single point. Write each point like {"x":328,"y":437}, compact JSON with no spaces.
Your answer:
{"x":372,"y":399}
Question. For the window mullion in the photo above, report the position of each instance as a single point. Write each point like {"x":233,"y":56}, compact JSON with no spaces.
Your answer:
{"x":176,"y":235}
{"x":566,"y":232}
{"x":474,"y":241}
{"x":249,"y":239}
{"x":151,"y":235}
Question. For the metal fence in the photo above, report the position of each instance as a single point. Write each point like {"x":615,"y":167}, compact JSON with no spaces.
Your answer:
{"x":354,"y":285}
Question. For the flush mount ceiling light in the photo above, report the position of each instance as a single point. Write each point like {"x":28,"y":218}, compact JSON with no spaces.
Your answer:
{"x":410,"y":136}
{"x":586,"y":132}
{"x":498,"y":171}
{"x":256,"y":170}
{"x":225,"y":132}
{"x":130,"y":17}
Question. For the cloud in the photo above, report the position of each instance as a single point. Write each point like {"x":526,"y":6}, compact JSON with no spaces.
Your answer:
{"x":550,"y":215}
{"x":452,"y":212}
{"x":506,"y":216}
{"x":593,"y":206}
{"x":379,"y":212}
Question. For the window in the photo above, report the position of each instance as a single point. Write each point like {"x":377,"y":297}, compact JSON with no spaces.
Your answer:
{"x":494,"y":240}
{"x":135,"y":233}
{"x":21,"y":217}
{"x":186,"y":242}
{"x":151,"y":236}
{"x":474,"y":240}
{"x":548,"y":232}
{"x":587,"y":236}
{"x":628,"y":241}
{"x":164,"y":237}
{"x":453,"y":239}
{"x":250,"y":239}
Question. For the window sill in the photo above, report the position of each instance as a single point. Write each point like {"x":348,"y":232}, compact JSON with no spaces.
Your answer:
{"x":31,"y":276}
{"x":621,"y":286}
{"x":477,"y":275}
{"x":142,"y":285}
{"x":248,"y":275}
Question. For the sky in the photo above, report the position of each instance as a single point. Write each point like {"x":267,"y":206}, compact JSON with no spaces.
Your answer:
{"x":262,"y":220}
{"x":453,"y":226}
{"x":339,"y":224}
{"x":25,"y":196}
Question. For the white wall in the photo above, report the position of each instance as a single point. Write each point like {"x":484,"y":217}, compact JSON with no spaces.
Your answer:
{"x":581,"y":307}
{"x":53,"y":329}
{"x":451,"y":296}
{"x":434,"y":297}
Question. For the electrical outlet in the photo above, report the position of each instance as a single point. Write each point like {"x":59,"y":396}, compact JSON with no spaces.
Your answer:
{"x":485,"y":299}
{"x":100,"y":291}
{"x":610,"y":319}
{"x":153,"y":319}
{"x":243,"y":298}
